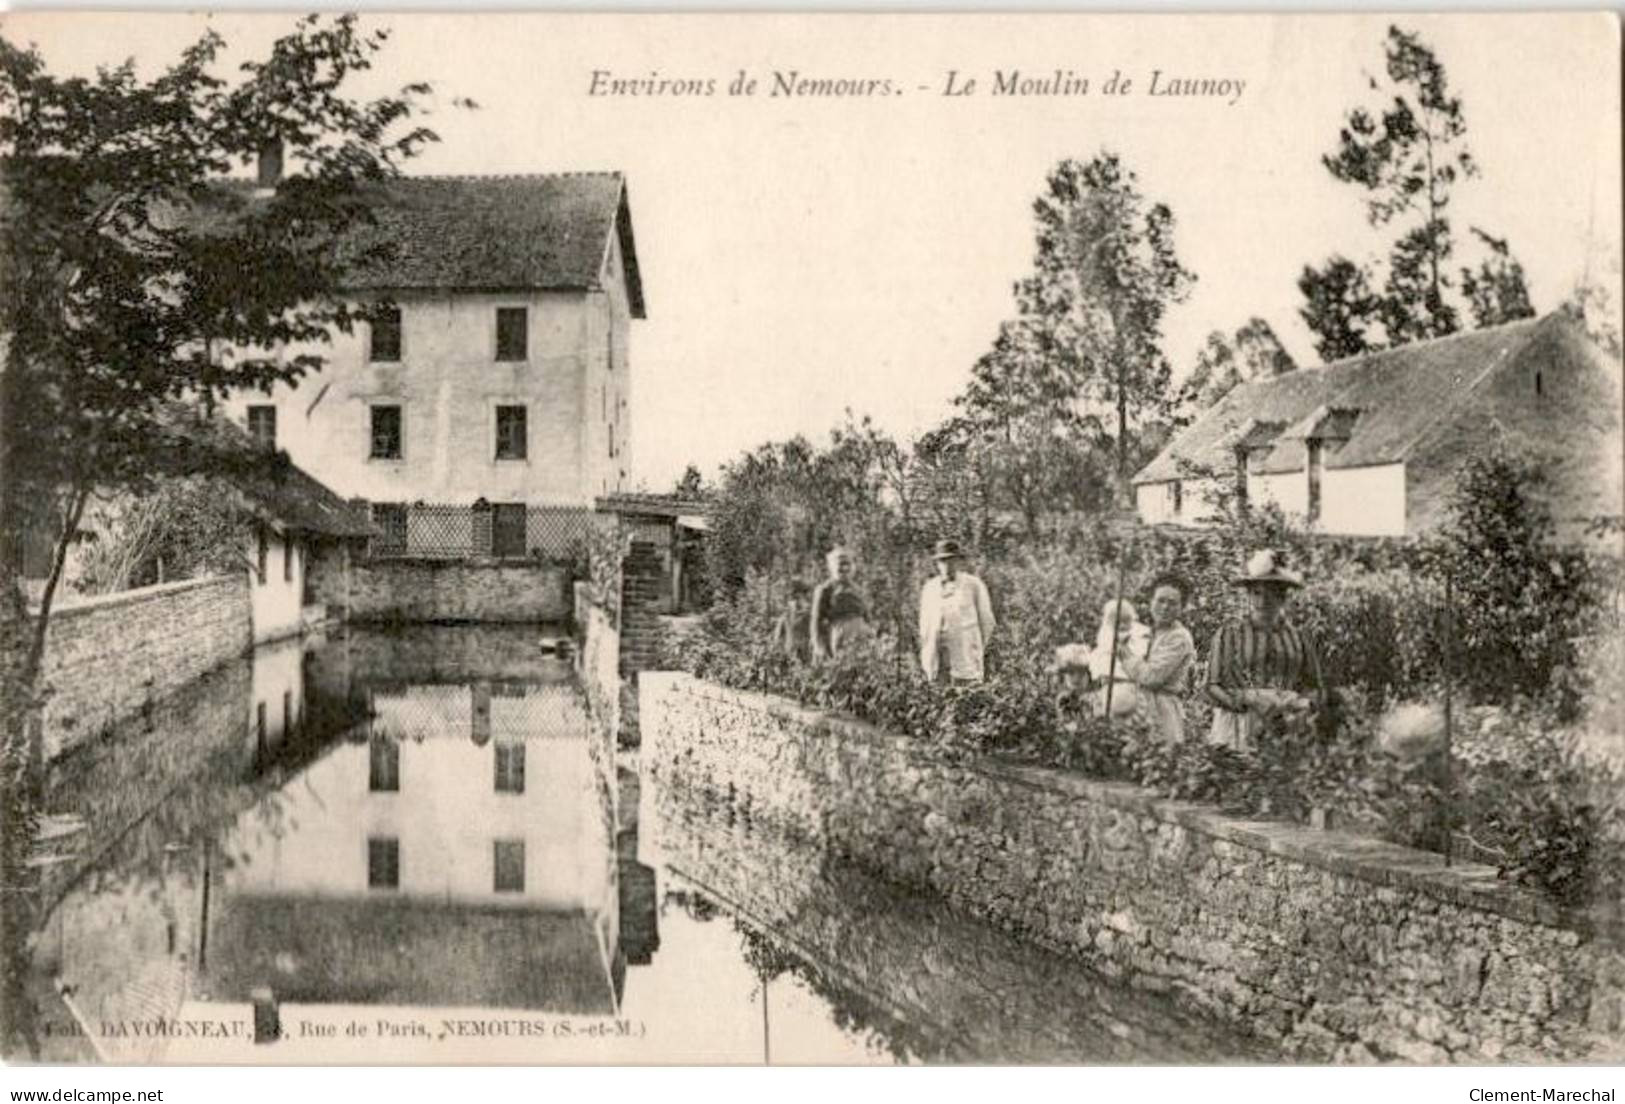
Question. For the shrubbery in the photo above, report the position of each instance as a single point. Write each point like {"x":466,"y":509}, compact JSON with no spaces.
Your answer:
{"x":1516,"y":793}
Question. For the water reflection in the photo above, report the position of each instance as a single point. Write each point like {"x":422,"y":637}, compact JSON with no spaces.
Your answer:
{"x":419,"y":826}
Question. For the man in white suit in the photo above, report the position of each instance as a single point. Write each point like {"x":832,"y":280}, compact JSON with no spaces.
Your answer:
{"x":956,"y":620}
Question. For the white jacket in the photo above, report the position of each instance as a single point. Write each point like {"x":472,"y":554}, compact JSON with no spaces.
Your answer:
{"x":963,"y":620}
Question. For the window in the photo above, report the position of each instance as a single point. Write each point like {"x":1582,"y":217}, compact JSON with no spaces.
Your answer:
{"x":262,"y":424}
{"x":287,"y":712}
{"x":386,"y":433}
{"x":513,"y":325}
{"x":508,"y":866}
{"x":383,"y":863}
{"x":1179,"y":498}
{"x":386,"y":335}
{"x":511,"y":436}
{"x":508,"y":529}
{"x":1314,"y":480}
{"x":612,"y":440}
{"x":264,"y":553}
{"x":1540,"y":384}
{"x":383,"y":764}
{"x":390,"y":520}
{"x":510,"y":769}
{"x":259,"y":727}
{"x":287,"y":557}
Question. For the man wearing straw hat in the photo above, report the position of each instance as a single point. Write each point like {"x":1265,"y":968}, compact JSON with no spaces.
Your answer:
{"x":956,"y":619}
{"x":1260,"y":665}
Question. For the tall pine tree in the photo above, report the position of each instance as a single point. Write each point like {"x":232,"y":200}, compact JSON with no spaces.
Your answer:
{"x":1407,"y":154}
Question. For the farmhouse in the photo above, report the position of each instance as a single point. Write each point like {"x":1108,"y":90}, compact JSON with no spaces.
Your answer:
{"x":494,"y":369}
{"x":1370,"y":446}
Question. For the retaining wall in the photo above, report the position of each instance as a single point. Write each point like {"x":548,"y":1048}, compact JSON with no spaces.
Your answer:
{"x":1330,"y":946}
{"x":448,"y":591}
{"x":108,"y":657}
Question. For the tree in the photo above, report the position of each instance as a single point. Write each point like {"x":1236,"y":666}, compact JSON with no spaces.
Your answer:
{"x":1340,"y":308}
{"x":135,"y":286}
{"x":1254,"y":352}
{"x":1104,"y":275}
{"x":1496,"y":292}
{"x":692,"y":483}
{"x":1407,"y":154}
{"x":1024,"y":403}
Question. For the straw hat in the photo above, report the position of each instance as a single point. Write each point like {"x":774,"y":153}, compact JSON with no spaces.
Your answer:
{"x":1263,"y":567}
{"x":947,"y":550}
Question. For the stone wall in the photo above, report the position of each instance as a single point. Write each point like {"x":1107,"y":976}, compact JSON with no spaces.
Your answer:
{"x":934,"y":984}
{"x":599,"y":666}
{"x":430,"y":590}
{"x":1332,"y":947}
{"x":109,"y":657}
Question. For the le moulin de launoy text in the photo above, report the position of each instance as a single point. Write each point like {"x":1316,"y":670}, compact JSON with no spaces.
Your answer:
{"x":953,"y":83}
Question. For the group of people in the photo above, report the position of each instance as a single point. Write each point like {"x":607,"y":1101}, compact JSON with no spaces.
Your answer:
{"x":1259,"y":665}
{"x":956,"y":617}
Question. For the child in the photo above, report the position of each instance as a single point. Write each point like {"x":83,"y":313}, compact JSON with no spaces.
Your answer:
{"x":1117,"y":619}
{"x":792,"y":635}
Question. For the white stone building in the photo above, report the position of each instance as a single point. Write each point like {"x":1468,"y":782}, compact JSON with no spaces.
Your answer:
{"x":1370,"y":446}
{"x":495,"y":366}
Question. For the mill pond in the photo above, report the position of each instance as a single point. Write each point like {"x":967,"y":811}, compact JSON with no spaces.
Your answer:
{"x":410,"y":845}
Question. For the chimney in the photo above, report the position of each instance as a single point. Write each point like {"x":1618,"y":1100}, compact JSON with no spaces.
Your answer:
{"x":269,"y":167}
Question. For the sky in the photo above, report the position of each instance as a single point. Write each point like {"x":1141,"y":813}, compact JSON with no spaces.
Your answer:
{"x":804,"y":255}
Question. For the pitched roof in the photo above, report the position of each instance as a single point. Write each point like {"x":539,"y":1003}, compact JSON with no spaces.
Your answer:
{"x":274,"y":487}
{"x":548,"y":232}
{"x":640,"y":504}
{"x":1396,"y":395}
{"x":300,"y":502}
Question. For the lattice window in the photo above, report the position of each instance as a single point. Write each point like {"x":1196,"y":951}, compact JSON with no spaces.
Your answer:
{"x":512,"y":438}
{"x":387,"y":440}
{"x":262,"y":424}
{"x":509,"y":769}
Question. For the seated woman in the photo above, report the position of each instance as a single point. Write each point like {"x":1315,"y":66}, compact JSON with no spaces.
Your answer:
{"x":839,"y":616}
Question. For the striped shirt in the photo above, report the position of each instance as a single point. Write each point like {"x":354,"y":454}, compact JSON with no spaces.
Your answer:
{"x":1244,"y":656}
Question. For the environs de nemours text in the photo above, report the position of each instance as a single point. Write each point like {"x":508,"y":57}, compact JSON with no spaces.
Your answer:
{"x":1014,"y":83}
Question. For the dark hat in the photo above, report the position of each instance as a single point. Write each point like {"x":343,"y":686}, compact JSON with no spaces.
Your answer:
{"x":1263,"y":568}
{"x":947,"y":550}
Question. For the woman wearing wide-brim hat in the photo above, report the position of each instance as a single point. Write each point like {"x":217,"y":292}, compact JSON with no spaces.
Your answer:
{"x":1260,"y":665}
{"x":956,"y":619}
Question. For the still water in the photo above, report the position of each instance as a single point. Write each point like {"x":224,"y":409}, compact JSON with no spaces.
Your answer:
{"x":410,"y":845}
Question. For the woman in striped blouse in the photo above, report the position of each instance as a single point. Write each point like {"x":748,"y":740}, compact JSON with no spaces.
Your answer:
{"x":1261,"y":665}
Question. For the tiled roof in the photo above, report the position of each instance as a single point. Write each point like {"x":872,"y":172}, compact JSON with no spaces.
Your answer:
{"x":1398,"y":394}
{"x":549,"y":232}
{"x":651,"y":505}
{"x":301,"y":503}
{"x":274,"y":487}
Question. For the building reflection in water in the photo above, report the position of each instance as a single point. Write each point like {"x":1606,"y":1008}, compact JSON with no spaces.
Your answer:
{"x":424,"y":822}
{"x":408,"y":822}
